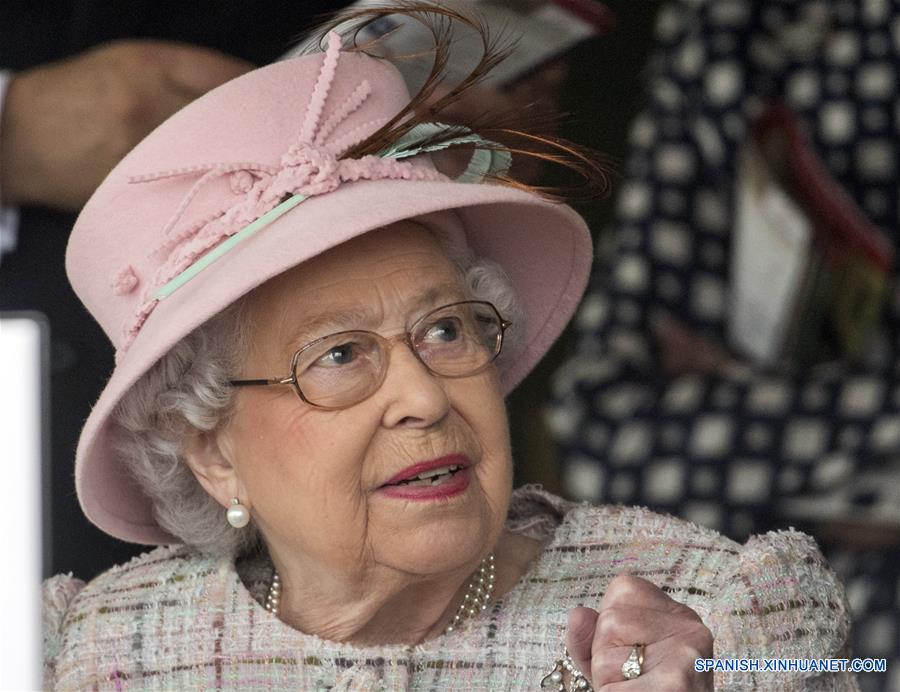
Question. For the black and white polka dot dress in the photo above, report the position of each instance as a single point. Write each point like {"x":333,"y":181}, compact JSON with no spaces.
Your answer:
{"x":745,"y":449}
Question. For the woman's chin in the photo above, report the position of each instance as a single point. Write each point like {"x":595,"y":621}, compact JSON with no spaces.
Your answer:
{"x":443,"y":556}
{"x":441,"y":542}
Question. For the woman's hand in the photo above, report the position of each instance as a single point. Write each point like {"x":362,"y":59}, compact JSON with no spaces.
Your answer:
{"x":634,"y":611}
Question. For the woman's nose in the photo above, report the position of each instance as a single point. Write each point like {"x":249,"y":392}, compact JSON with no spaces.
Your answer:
{"x":415,"y":396}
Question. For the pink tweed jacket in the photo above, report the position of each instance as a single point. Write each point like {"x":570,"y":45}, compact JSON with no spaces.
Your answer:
{"x":175,"y":620}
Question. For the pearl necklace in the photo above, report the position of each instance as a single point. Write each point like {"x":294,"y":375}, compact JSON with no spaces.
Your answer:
{"x":478,"y":593}
{"x":477,"y":598}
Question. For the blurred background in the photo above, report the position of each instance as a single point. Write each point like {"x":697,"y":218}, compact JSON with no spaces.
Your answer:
{"x":735,"y":359}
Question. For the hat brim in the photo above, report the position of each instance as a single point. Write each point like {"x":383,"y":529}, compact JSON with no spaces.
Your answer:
{"x":545,"y":248}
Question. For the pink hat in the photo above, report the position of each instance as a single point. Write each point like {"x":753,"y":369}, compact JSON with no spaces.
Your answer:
{"x":247,"y":182}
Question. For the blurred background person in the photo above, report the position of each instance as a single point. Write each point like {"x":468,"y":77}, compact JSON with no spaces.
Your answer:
{"x":745,"y":400}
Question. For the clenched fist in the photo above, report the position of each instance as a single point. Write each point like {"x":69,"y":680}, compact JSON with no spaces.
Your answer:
{"x":634,"y":611}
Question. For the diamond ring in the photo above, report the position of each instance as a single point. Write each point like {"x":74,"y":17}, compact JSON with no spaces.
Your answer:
{"x":632,"y":666}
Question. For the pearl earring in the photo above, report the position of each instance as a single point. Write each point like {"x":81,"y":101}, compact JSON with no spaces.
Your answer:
{"x":237,"y":515}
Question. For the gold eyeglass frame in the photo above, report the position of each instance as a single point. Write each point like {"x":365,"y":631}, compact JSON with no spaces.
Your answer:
{"x":386,"y":344}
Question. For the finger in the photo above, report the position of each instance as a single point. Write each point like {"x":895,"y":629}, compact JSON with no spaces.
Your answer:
{"x":672,"y":643}
{"x":626,"y":591}
{"x":666,"y":666}
{"x":628,"y":626}
{"x":606,"y":664}
{"x":580,"y":637}
{"x":681,"y":680}
{"x":196,"y":70}
{"x":182,"y":74}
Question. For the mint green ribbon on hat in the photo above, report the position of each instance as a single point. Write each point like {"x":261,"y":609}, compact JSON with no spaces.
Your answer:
{"x":488,"y":159}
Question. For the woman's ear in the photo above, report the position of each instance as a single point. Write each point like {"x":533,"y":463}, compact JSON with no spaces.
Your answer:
{"x":208,"y":456}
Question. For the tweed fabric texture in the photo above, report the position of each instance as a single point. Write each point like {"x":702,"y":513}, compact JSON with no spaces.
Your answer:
{"x":173,"y":619}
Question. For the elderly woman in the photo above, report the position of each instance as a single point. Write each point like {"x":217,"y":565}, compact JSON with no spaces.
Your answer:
{"x":315,"y":331}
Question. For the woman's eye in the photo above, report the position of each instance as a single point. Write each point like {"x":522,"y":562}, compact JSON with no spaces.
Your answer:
{"x":337,"y":356}
{"x":443,"y":331}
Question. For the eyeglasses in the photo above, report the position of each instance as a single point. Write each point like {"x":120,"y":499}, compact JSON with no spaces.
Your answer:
{"x":343,"y":369}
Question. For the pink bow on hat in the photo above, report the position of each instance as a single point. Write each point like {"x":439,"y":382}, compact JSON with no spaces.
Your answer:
{"x":310,"y":166}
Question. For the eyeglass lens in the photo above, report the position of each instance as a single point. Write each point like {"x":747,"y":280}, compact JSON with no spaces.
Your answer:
{"x":345,"y":368}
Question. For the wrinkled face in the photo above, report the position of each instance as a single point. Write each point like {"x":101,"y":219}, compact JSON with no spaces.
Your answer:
{"x":318,"y":482}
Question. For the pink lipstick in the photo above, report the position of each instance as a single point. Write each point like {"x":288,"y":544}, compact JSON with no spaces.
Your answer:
{"x":436,"y":479}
